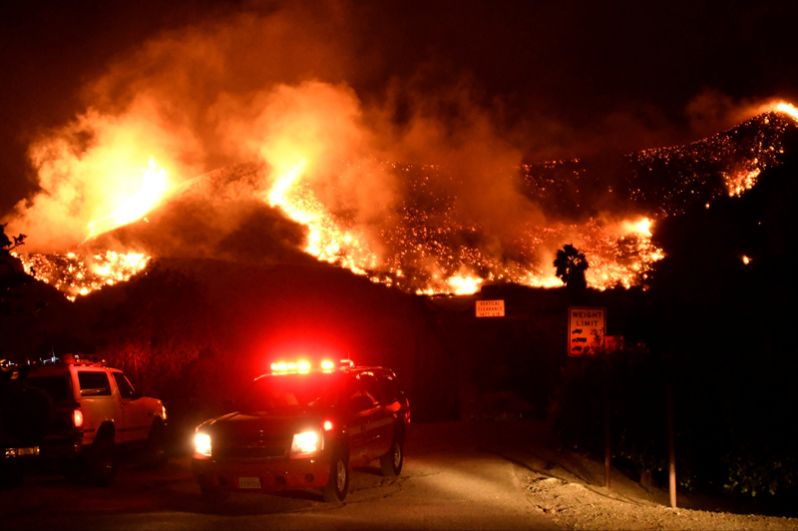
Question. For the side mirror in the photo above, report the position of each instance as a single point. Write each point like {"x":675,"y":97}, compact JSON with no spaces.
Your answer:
{"x":136,"y":394}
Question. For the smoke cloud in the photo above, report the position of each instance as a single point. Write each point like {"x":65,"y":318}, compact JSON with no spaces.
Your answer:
{"x":269,"y":90}
{"x":168,"y":128}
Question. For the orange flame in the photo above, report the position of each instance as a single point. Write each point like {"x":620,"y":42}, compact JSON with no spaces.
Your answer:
{"x":311,"y":152}
{"x":464,"y":284}
{"x":98,"y":173}
{"x":308,"y":137}
{"x":777,"y":106}
{"x":741,"y":181}
{"x":787,"y":108}
{"x":325,"y":239}
{"x":137,"y":193}
{"x":745,"y":177}
{"x":76,"y":275}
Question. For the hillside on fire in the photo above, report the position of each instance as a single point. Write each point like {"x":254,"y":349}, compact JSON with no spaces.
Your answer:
{"x":699,"y":297}
{"x":519,"y":265}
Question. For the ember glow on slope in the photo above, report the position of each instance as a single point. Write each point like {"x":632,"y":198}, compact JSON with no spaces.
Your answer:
{"x":745,"y":178}
{"x":428,"y":250}
{"x":76,"y":275}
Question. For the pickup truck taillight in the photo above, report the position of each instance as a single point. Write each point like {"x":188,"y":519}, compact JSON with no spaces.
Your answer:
{"x":77,"y":418}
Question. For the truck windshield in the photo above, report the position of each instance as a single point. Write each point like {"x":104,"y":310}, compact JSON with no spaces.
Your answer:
{"x":291,"y":391}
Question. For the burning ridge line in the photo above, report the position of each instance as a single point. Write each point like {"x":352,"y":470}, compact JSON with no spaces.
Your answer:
{"x":429,"y":251}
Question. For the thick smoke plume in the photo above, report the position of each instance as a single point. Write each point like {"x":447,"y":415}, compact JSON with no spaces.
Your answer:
{"x":268,"y":90}
{"x":98,"y":172}
{"x":248,"y":136}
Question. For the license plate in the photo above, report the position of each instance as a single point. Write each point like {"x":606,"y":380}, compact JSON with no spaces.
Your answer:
{"x":22,"y":452}
{"x":248,"y":483}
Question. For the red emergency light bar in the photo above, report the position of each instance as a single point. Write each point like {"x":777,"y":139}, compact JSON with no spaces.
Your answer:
{"x":305,"y":366}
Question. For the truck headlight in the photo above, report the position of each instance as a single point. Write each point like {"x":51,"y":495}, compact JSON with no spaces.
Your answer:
{"x":306,"y":443}
{"x":202,"y":444}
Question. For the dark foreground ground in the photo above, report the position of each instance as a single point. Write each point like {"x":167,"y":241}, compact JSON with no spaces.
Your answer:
{"x":485,"y":475}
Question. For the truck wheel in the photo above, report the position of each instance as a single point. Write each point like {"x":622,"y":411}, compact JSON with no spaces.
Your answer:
{"x":338,"y":485}
{"x":11,"y":475}
{"x":101,"y":461}
{"x":74,"y":469}
{"x":214,"y":493}
{"x":391,"y":463}
{"x":156,"y":455}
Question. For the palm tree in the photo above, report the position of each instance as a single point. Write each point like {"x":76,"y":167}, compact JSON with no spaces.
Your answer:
{"x":570,"y":267}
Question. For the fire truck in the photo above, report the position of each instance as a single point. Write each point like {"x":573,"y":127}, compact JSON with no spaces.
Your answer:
{"x":302,"y":426}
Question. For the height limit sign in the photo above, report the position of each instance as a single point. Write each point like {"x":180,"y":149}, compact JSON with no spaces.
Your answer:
{"x":494,"y":308}
{"x":586,"y":330}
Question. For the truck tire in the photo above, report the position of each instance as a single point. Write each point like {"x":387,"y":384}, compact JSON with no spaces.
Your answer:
{"x":155,"y":451}
{"x":12,"y":475}
{"x":213,"y":494}
{"x":391,"y":463}
{"x":338,"y":485}
{"x":101,"y":459}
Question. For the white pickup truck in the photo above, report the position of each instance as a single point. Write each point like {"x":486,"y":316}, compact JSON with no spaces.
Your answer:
{"x":96,"y":412}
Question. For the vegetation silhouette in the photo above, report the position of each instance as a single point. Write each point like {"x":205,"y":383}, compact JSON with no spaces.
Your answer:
{"x":570,"y":267}
{"x":11,"y":271}
{"x":6,"y":244}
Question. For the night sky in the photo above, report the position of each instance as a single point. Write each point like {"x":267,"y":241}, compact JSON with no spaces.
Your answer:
{"x":574,"y":77}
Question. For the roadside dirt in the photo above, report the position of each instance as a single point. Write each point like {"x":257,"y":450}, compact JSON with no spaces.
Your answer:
{"x":569,"y":488}
{"x":458,"y":475}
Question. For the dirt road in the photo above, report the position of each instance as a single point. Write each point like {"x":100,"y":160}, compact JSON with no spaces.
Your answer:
{"x":493,"y":475}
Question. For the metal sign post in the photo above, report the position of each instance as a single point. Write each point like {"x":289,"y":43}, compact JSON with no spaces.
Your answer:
{"x":587,"y":329}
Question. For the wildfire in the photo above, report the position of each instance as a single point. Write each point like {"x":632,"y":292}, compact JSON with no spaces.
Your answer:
{"x":743,"y":179}
{"x":642,"y":227}
{"x":76,"y":275}
{"x":278,"y":195}
{"x":440,"y":253}
{"x":97,"y":173}
{"x":418,"y":240}
{"x":464,"y":284}
{"x":326,"y":240}
{"x":628,"y":259}
{"x":783,"y":107}
{"x":134,"y":193}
